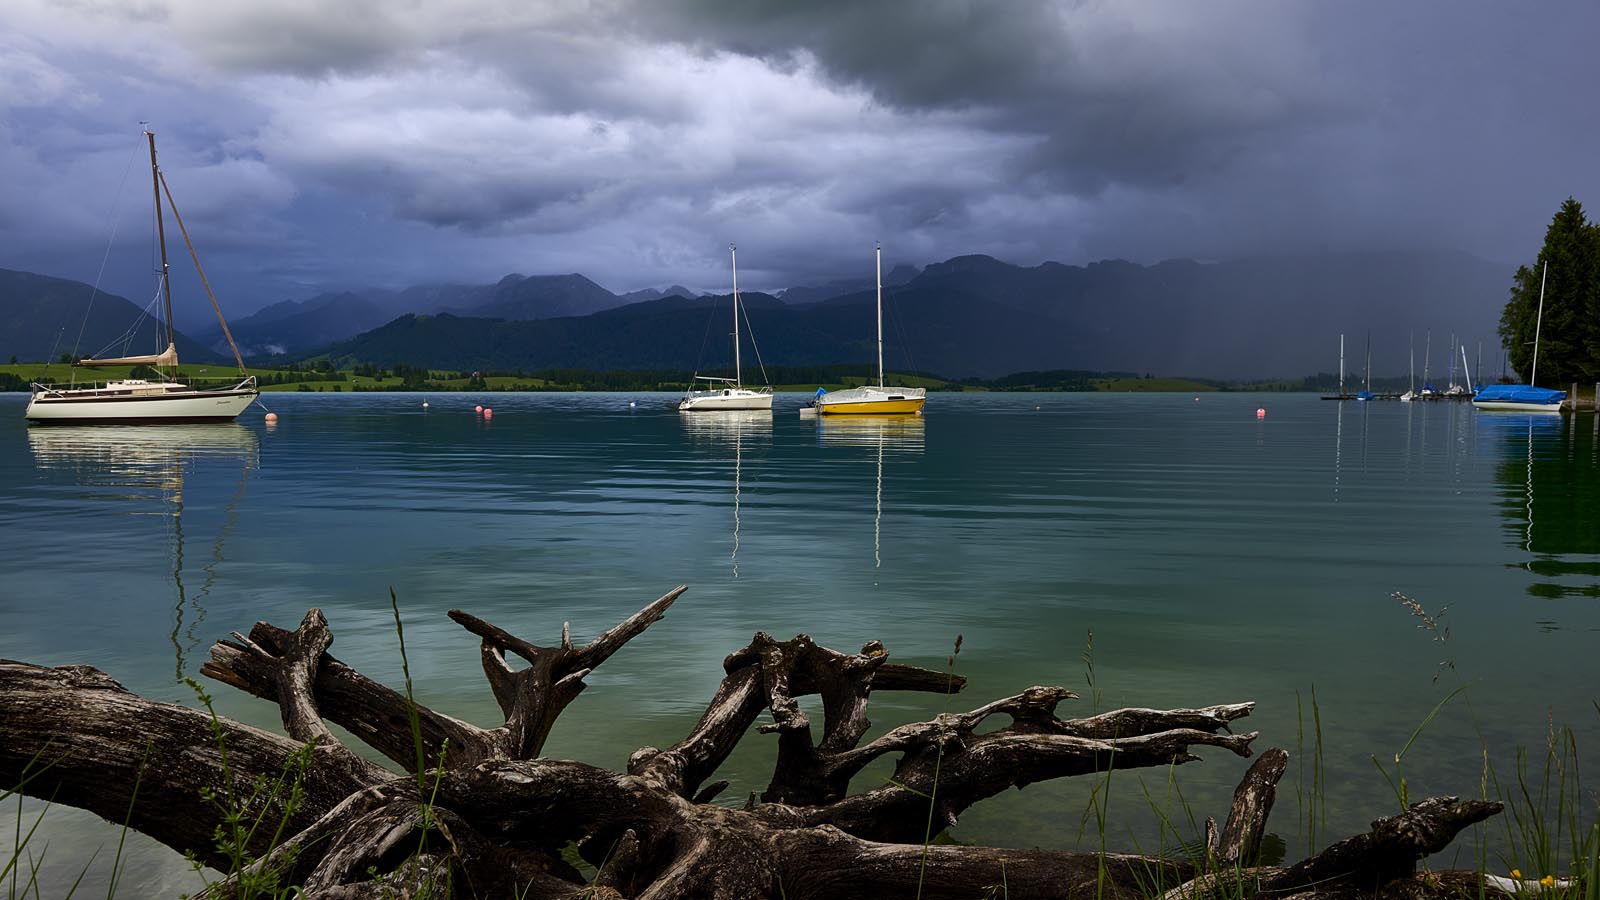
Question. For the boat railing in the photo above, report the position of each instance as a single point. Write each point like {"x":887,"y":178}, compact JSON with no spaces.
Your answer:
{"x":765,"y":389}
{"x":235,"y":383}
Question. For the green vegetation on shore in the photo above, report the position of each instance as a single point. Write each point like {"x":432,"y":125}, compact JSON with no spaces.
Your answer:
{"x":320,"y":376}
{"x":1566,"y":274}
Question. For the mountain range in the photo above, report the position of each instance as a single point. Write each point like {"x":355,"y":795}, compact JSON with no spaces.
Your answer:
{"x":966,"y":316}
{"x":43,"y":317}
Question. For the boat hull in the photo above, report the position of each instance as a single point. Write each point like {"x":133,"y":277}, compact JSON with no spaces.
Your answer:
{"x":95,"y":408}
{"x":725,"y":400}
{"x":1513,"y":406}
{"x":872,"y":402}
{"x":1519,"y":398}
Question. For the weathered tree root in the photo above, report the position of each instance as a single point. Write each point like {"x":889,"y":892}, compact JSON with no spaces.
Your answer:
{"x":490,"y":817}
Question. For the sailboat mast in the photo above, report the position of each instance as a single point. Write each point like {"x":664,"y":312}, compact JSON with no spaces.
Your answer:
{"x":1341,"y":365}
{"x":161,"y":233}
{"x":738,"y":375}
{"x":880,"y":313}
{"x":1411,"y":341}
{"x":1537,"y":323}
{"x":1369,"y":362}
{"x":1427,"y":350}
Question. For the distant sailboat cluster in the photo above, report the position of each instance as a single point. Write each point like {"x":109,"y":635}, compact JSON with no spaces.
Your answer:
{"x":1496,"y":397}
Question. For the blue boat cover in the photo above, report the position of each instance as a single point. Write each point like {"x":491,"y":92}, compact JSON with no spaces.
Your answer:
{"x":1519,"y":393}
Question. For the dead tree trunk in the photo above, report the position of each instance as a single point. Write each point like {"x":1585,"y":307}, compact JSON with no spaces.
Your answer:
{"x":488,"y":816}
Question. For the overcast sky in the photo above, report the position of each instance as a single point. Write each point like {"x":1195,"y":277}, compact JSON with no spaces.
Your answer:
{"x":315,"y":144}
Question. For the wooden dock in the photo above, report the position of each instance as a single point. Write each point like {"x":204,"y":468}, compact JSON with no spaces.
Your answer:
{"x":1578,"y":400}
{"x":1395,"y":395}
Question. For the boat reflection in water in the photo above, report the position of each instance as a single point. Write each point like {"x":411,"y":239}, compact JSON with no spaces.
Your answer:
{"x":891,"y":434}
{"x":732,"y":431}
{"x":1549,"y":474}
{"x":139,"y":471}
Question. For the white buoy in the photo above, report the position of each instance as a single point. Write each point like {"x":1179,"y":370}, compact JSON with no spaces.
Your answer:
{"x":631,"y":404}
{"x":424,"y":404}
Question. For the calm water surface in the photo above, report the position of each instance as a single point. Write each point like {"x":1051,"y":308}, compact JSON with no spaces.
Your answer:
{"x":1214,"y":556}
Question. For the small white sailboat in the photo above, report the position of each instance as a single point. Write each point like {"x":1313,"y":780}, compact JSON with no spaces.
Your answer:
{"x":167,"y":400}
{"x":1523,"y":397}
{"x":874,"y":400}
{"x":732,"y":394}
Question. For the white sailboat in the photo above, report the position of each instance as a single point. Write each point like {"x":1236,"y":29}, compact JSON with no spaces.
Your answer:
{"x":139,"y":400}
{"x":1524,"y":397}
{"x":879,"y":399}
{"x":732,"y":394}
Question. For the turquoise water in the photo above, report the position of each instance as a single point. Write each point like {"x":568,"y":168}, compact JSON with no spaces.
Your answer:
{"x":1216,"y":557}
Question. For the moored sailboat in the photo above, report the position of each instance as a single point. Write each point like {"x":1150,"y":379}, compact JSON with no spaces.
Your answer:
{"x":1524,"y":397}
{"x":138,"y":400}
{"x":732,"y":395}
{"x":873,"y":400}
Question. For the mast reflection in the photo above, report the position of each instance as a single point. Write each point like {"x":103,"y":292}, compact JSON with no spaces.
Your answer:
{"x":903,"y":434}
{"x":1550,"y":483}
{"x":732,"y":429}
{"x":139,"y":464}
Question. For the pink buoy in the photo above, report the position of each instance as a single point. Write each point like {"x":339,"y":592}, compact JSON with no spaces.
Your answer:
{"x":1261,"y":412}
{"x":477,"y":408}
{"x":272,"y":418}
{"x":488,"y":413}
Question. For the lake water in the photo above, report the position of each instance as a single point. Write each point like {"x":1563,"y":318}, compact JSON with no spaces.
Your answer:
{"x":1215,"y":556}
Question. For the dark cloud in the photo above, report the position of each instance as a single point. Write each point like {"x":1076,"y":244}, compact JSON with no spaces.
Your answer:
{"x":371,"y":142}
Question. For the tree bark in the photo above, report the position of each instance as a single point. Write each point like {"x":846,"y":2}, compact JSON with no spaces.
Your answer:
{"x":487,"y":816}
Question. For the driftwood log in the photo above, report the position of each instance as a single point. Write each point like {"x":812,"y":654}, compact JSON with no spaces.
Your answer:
{"x":479,"y":813}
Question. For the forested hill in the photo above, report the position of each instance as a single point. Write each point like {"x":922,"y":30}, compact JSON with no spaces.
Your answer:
{"x":967,"y":316}
{"x":975,"y":315}
{"x":41,"y":316}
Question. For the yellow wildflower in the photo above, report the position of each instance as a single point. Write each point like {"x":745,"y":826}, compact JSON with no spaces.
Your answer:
{"x":1516,"y":873}
{"x":1548,"y":881}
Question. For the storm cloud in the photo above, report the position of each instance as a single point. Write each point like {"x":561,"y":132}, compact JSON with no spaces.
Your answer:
{"x":318,"y":145}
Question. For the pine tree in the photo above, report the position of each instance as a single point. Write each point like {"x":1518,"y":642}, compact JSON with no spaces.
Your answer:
{"x":1569,"y":340}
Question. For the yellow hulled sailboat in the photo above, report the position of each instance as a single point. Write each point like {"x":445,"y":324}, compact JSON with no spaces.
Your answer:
{"x":873,"y":400}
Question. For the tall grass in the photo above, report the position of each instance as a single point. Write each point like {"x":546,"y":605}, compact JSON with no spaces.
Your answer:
{"x":938,"y":762}
{"x":243,"y":811}
{"x":1550,"y":828}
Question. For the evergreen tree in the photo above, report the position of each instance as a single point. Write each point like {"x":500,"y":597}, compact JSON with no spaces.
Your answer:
{"x":1569,"y":339}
